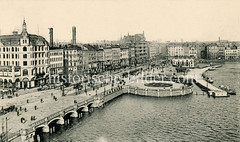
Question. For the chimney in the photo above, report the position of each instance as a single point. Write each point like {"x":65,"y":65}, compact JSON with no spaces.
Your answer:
{"x":73,"y":35}
{"x":51,"y":36}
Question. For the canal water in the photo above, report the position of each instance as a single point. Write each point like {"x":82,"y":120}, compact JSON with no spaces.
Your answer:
{"x":132,"y":118}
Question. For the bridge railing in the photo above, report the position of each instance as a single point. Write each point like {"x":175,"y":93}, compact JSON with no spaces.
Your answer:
{"x":16,"y":134}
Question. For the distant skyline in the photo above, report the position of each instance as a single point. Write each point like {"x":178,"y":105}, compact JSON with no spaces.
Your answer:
{"x":165,"y":20}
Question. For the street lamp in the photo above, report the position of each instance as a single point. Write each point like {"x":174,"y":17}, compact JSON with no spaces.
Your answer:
{"x":63,"y":89}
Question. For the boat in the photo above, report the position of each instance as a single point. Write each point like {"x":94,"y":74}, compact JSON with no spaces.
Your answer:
{"x":212,"y":69}
{"x":218,"y":93}
{"x":231,"y":92}
{"x":218,"y":66}
{"x":222,"y":87}
{"x":210,"y":80}
{"x":228,"y":90}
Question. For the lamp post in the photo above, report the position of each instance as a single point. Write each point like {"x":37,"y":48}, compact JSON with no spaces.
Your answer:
{"x":63,"y":90}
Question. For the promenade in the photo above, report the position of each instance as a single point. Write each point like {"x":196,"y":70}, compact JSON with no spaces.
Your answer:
{"x":48,"y":105}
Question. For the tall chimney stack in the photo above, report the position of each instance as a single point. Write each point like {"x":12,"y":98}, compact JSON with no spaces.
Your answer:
{"x":51,"y":36}
{"x":73,"y":35}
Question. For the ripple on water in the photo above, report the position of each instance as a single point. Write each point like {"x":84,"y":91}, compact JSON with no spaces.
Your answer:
{"x":189,"y":118}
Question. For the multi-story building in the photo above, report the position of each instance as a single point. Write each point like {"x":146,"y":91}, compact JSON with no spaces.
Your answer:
{"x":24,"y":61}
{"x":231,"y":53}
{"x":192,"y":52}
{"x":92,"y":58}
{"x":175,"y":51}
{"x":183,"y":62}
{"x":100,"y":57}
{"x":153,"y":50}
{"x":107,"y":58}
{"x":73,"y":60}
{"x":124,"y":62}
{"x":116,"y":54}
{"x":212,"y":52}
{"x":56,"y":61}
{"x":182,"y":50}
{"x":138,"y":48}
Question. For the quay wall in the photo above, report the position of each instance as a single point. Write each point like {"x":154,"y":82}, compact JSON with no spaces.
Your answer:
{"x":106,"y":96}
{"x":160,"y":93}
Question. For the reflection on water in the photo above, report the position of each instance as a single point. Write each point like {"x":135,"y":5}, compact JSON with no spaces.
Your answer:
{"x":188,"y":118}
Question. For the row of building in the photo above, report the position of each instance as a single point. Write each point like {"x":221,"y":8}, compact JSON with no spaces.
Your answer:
{"x":221,"y":50}
{"x":27,"y":60}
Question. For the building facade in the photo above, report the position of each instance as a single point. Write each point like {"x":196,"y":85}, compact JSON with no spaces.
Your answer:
{"x":175,"y":51}
{"x":73,"y":60}
{"x":116,"y":54}
{"x":56,"y":61}
{"x":231,"y":53}
{"x":183,"y":62}
{"x":124,"y":62}
{"x":138,"y":48}
{"x":107,"y":58}
{"x":24,"y":61}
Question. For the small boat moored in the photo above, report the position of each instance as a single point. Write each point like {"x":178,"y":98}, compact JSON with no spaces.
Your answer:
{"x":218,"y":93}
{"x":228,"y":90}
{"x":210,"y":80}
{"x":212,"y":69}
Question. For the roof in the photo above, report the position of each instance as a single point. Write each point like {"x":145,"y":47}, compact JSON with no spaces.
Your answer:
{"x":15,"y":39}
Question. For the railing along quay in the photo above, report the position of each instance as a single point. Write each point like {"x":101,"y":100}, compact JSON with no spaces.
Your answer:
{"x":32,"y":126}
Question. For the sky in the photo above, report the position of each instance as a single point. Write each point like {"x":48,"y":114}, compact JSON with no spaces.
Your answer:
{"x":163,"y":20}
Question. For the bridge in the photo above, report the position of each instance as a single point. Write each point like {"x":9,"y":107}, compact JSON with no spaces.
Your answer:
{"x":40,"y":129}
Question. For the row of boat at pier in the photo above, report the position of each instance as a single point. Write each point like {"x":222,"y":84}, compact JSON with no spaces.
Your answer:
{"x":222,"y":91}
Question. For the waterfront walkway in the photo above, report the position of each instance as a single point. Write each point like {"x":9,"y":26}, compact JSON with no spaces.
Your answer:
{"x":48,"y":105}
{"x":197,"y":74}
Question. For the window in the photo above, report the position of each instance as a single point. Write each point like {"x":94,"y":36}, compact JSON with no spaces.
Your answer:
{"x":3,"y":49}
{"x":3,"y":56}
{"x":24,"y":48}
{"x":42,"y":48}
{"x":25,"y":56}
{"x":16,"y":63}
{"x":16,"y":56}
{"x":25,"y":72}
{"x":7,"y":56}
{"x":12,"y":49}
{"x":16,"y":49}
{"x":24,"y":63}
{"x":4,"y":63}
{"x":7,"y":49}
{"x":13,"y":56}
{"x":13,"y":63}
